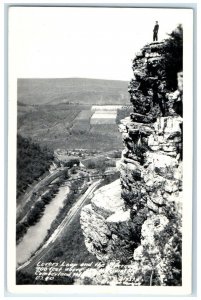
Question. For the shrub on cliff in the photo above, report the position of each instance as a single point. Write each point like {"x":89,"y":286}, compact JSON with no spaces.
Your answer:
{"x":123,"y":113}
{"x":173,"y":53}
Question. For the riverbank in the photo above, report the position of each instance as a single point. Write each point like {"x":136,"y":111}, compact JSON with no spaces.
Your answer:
{"x":37,"y":233}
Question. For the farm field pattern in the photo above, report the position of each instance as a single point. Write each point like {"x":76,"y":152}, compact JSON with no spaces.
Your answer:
{"x":67,"y":125}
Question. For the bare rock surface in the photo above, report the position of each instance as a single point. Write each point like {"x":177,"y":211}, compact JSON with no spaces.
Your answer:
{"x":125,"y":219}
{"x":105,"y":224}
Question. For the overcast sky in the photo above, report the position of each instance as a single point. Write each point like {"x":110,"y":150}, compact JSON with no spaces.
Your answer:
{"x":65,"y":42}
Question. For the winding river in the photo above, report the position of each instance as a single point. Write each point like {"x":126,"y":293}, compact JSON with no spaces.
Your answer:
{"x":37,"y":233}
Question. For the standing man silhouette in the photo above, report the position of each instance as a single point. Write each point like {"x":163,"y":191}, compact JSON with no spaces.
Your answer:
{"x":155,"y":31}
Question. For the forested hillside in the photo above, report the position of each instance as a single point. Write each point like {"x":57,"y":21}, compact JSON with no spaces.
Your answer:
{"x":32,"y":162}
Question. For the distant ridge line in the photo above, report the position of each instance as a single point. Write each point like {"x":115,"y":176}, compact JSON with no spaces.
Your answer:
{"x":74,"y":90}
{"x":72,"y":78}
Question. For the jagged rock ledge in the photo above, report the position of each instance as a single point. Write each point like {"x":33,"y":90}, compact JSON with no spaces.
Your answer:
{"x":105,"y":224}
{"x":122,"y":224}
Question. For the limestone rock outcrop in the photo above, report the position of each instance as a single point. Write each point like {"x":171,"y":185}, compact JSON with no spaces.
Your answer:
{"x":106,"y":225}
{"x":151,"y":164}
{"x":150,"y":197}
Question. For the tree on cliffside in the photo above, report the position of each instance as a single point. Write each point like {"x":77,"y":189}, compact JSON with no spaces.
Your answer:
{"x":173,"y":53}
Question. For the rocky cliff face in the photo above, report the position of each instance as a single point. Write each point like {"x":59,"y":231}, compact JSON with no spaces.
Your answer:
{"x":151,"y":164}
{"x":105,"y":224}
{"x":151,"y":177}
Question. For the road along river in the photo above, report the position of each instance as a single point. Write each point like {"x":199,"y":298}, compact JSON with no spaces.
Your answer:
{"x":32,"y":262}
{"x":37,"y":233}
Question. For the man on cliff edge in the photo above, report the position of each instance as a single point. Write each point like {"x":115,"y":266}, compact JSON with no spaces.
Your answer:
{"x":155,"y":31}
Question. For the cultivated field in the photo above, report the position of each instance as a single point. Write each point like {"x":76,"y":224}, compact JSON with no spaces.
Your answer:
{"x":67,"y":128}
{"x":68,"y":125}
